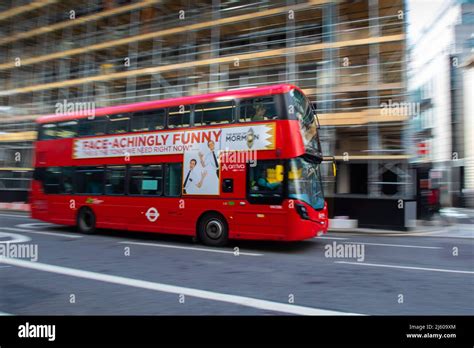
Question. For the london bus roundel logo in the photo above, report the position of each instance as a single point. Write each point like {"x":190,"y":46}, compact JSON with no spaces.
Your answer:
{"x":152,"y":214}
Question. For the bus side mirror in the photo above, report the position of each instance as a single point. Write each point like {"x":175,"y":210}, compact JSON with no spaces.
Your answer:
{"x":331,"y":159}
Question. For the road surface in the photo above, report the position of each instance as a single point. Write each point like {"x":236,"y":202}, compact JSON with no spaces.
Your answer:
{"x":125,"y":273}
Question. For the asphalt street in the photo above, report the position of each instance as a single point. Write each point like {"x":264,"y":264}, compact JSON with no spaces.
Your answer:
{"x":125,"y":273}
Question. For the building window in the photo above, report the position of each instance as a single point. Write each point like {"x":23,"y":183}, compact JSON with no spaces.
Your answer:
{"x":214,"y":113}
{"x":146,"y":180}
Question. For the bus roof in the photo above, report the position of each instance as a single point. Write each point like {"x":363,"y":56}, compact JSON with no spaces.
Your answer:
{"x":195,"y":99}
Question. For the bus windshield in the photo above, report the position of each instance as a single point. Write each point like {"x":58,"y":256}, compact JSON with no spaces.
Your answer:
{"x":307,"y":120}
{"x":304,"y":182}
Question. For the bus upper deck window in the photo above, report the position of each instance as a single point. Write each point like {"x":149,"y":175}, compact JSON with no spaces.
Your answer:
{"x":179,"y":116}
{"x":94,"y":126}
{"x":302,"y":107}
{"x":214,"y":113}
{"x":48,"y":131}
{"x":257,"y":109}
{"x":67,"y":129}
{"x":148,"y":120}
{"x":118,"y":124}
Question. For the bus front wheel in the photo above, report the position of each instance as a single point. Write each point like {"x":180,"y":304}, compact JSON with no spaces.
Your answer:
{"x":86,"y":221}
{"x":213,"y":230}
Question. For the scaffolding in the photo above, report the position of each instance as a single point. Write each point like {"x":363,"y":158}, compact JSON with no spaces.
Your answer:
{"x":347,"y":56}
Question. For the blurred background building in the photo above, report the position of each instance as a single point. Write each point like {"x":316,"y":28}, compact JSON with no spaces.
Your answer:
{"x":441,"y":84}
{"x":469,"y":132}
{"x":349,"y":56}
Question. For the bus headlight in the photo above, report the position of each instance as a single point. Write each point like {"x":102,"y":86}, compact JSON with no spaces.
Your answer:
{"x":302,"y":211}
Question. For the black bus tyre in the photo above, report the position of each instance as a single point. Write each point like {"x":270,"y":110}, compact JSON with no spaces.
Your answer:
{"x":213,"y":230}
{"x":86,"y":221}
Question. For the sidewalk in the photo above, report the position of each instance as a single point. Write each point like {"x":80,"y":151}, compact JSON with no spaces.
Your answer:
{"x":447,"y":218}
{"x":458,"y":215}
{"x":439,"y":229}
{"x":419,"y":229}
{"x":15,"y":206}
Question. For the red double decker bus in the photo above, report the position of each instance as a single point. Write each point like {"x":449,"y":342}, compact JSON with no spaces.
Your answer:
{"x":241,"y":164}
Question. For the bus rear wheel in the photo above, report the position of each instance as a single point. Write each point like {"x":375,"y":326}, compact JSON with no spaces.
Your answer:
{"x":213,"y":230}
{"x":86,"y":221}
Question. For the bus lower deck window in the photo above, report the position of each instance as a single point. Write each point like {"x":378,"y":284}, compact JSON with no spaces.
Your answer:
{"x":146,"y":180}
{"x":89,"y":180}
{"x":115,"y":180}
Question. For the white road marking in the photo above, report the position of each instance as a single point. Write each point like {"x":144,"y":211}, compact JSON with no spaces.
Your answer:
{"x":395,"y":245}
{"x":179,"y":290}
{"x":402,"y":234}
{"x":14,"y":238}
{"x":5,"y":266}
{"x":406,"y":267}
{"x":36,"y":225}
{"x":337,"y":238}
{"x":41,"y":232}
{"x":16,"y":216}
{"x":191,"y":248}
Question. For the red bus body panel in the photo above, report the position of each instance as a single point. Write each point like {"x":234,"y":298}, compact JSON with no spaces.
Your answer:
{"x":179,"y":215}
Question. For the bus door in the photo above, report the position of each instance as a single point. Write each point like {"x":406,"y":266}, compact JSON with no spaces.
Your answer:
{"x":115,"y":210}
{"x":145,"y":189}
{"x":55,"y":181}
{"x":264,"y":213}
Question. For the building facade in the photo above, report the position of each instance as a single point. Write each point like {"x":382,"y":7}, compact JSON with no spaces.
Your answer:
{"x":436,"y":81}
{"x":468,"y":107}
